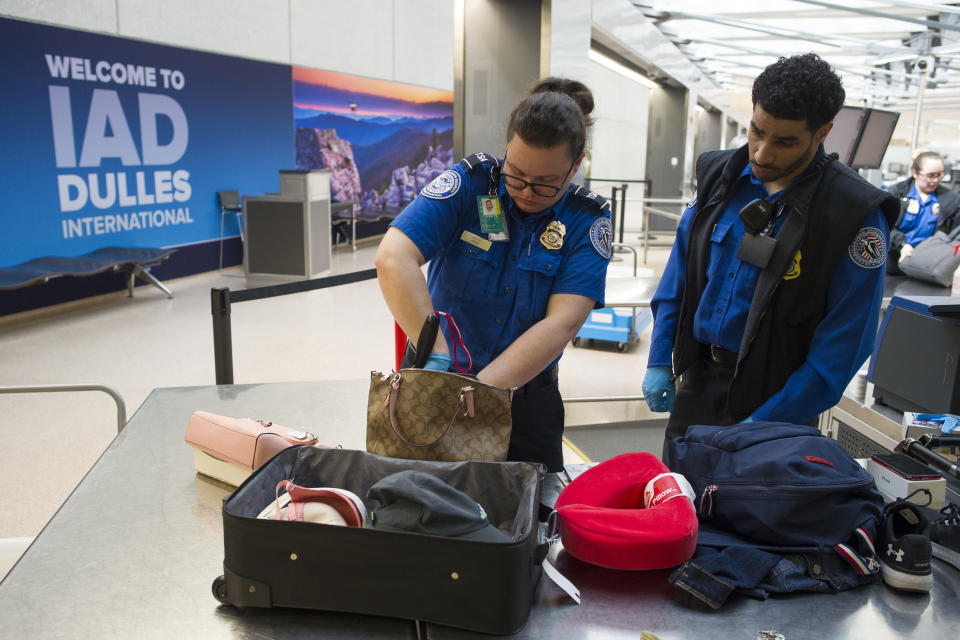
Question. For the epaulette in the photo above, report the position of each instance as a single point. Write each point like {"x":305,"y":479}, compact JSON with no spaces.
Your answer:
{"x":472,"y":162}
{"x":601,"y":203}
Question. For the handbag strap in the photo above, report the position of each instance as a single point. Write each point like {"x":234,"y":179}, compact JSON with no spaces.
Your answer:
{"x":954,"y":234}
{"x":294,"y":509}
{"x":466,"y":397}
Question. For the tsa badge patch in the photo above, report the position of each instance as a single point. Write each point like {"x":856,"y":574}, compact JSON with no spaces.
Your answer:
{"x":868,"y":249}
{"x":601,"y":237}
{"x":552,"y":238}
{"x":794,"y":271}
{"x":443,"y":186}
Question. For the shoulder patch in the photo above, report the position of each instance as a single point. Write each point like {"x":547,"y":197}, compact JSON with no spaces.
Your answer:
{"x":443,"y":186}
{"x":592,"y":196}
{"x":693,"y":201}
{"x":868,"y":249}
{"x":601,"y":237}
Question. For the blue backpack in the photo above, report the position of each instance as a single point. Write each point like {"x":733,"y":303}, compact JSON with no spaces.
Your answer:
{"x":776,"y":483}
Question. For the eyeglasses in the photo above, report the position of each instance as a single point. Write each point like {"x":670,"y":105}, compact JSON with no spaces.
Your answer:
{"x":542,"y":190}
{"x":931,"y":176}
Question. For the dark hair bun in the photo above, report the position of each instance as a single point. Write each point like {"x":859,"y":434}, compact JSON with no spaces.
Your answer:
{"x":573,"y":88}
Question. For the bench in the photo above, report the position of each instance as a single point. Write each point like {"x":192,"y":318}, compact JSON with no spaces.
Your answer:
{"x":136,"y":261}
{"x":348,"y":213}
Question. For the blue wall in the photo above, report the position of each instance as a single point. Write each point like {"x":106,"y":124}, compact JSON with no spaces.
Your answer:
{"x":106,"y":141}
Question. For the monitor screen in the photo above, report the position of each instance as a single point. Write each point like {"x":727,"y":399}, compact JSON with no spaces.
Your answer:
{"x":874,"y":140}
{"x":846,"y":129}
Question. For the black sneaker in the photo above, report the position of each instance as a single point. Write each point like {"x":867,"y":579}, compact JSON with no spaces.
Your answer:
{"x":905,"y":549}
{"x":945,"y":535}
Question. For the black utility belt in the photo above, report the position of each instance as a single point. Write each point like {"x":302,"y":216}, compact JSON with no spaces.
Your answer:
{"x":542,"y":380}
{"x":716,"y":353}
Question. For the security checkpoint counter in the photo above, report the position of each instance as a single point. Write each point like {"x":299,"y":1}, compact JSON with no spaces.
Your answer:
{"x":133,"y":551}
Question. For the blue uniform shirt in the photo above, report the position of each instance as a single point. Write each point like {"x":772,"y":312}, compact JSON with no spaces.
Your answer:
{"x":841,"y":343}
{"x":920,"y":224}
{"x":496,"y":291}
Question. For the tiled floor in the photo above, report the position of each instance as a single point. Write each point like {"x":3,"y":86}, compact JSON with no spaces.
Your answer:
{"x":137,"y":344}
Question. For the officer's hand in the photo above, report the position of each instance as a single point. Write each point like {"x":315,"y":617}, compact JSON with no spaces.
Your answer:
{"x":746,"y":420}
{"x":659,"y":389}
{"x":905,"y":252}
{"x":437,"y":362}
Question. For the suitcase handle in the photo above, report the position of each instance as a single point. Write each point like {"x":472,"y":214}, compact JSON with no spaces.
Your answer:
{"x":466,"y":396}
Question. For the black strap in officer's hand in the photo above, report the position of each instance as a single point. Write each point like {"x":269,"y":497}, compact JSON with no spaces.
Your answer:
{"x":426,"y":340}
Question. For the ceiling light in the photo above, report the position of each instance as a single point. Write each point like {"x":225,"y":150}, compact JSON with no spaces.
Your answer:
{"x":613,"y":65}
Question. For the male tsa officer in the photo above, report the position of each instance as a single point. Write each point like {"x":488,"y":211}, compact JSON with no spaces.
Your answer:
{"x":770,"y":298}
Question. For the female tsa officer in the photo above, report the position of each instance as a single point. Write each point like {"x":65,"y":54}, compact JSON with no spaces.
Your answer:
{"x":518,"y":257}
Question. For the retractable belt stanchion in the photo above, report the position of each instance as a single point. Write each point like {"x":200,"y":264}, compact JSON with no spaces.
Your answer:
{"x":221,"y":300}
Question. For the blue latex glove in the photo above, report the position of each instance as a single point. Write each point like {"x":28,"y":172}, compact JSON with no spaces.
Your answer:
{"x":746,"y":420}
{"x":949,"y":424}
{"x":947,"y":421}
{"x":659,"y":389}
{"x":437,"y":362}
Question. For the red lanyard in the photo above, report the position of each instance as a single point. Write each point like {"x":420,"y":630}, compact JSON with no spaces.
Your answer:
{"x":455,"y":334}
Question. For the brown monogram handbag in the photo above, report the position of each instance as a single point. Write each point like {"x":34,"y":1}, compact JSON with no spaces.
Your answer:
{"x":422,"y":414}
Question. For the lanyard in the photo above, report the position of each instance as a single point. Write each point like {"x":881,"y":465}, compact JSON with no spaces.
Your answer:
{"x":454,"y":331}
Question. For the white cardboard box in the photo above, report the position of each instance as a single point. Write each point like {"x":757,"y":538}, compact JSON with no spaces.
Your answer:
{"x":893,"y":485}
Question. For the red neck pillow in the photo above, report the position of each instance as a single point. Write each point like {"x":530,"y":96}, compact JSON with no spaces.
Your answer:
{"x":603,"y":521}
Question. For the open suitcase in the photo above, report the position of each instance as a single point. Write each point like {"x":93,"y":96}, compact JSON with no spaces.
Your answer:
{"x":481,"y":586}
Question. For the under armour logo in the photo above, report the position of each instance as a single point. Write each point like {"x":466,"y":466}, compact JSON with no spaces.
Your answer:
{"x":890,"y":552}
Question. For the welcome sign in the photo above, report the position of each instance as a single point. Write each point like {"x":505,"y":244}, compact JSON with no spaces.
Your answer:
{"x":107,"y":141}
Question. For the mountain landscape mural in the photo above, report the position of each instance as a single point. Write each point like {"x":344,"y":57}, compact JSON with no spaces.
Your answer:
{"x":381,"y":141}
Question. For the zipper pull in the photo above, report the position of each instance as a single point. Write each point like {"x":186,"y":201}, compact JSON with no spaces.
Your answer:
{"x":706,"y":500}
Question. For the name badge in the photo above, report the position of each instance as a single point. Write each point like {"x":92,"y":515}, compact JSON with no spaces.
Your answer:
{"x":475,"y":240}
{"x":492,"y":221}
{"x":913,"y":206}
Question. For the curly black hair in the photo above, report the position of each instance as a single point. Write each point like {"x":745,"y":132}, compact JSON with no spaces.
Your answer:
{"x":801,"y":87}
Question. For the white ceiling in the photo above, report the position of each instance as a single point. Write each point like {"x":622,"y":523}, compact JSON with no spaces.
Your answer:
{"x":875,"y":46}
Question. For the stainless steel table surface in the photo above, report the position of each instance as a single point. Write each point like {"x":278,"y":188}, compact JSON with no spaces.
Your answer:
{"x":134,"y":549}
{"x":624,"y":291}
{"x":904,"y":286}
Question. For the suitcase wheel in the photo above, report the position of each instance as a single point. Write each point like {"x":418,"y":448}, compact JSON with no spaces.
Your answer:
{"x":220,"y":590}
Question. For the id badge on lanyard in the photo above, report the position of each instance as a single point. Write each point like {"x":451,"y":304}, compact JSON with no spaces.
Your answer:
{"x":492,"y":221}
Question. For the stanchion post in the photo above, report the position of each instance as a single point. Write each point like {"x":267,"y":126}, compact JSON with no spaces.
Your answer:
{"x":222,"y":340}
{"x":613,"y":210}
{"x":623,"y":206}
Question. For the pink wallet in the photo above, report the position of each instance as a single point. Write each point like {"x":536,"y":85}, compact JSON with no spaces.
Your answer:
{"x":229,"y":449}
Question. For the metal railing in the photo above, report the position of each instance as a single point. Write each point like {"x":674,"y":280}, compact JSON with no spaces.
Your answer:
{"x":618,"y":202}
{"x":603,"y":399}
{"x":48,"y":388}
{"x":647,"y":210}
{"x":618,"y":199}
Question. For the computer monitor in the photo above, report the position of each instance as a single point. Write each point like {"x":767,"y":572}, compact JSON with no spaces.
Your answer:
{"x":876,"y":134}
{"x":843,"y":137}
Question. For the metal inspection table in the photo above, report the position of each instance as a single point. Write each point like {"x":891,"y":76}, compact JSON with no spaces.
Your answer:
{"x":904,"y":286}
{"x":133,"y":551}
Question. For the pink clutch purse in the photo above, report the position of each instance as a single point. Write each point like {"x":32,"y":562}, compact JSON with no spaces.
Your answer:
{"x":229,"y":449}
